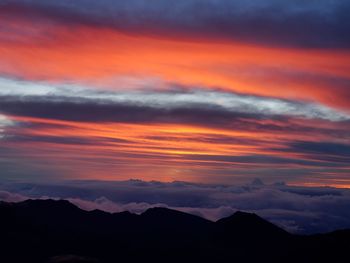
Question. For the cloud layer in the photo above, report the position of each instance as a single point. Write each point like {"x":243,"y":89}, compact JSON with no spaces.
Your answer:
{"x":192,"y":133}
{"x":66,"y":98}
{"x":196,"y":90}
{"x":297,"y":209}
{"x":293,"y":23}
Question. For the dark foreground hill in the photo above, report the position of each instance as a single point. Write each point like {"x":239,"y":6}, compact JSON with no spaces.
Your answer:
{"x":47,"y":231}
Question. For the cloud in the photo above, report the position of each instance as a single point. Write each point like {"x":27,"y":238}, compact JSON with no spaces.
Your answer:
{"x":71,"y":103}
{"x":298,"y":209}
{"x":4,"y":122}
{"x":176,"y":132}
{"x":330,"y":148}
{"x":11,"y":197}
{"x":298,"y":23}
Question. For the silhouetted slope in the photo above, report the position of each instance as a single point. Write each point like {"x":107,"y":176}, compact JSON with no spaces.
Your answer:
{"x":52,"y":231}
{"x":246,"y":224}
{"x":249,"y":233}
{"x":164,"y":219}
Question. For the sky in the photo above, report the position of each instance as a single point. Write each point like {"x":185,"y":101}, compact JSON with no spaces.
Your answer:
{"x":200,"y":91}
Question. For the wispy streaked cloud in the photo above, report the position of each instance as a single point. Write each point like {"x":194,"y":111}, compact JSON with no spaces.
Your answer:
{"x":293,"y":23}
{"x":27,"y":93}
{"x":4,"y":122}
{"x":210,"y":90}
{"x":178,"y":132}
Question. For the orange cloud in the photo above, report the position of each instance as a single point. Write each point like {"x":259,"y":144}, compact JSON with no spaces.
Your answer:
{"x":102,"y":57}
{"x":161,"y":151}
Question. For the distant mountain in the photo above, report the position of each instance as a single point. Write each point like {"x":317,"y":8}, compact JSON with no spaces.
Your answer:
{"x":49,"y":231}
{"x":250,"y":225}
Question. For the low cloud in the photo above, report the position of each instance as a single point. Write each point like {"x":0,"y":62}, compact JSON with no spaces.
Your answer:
{"x":11,"y":197}
{"x":297,"y":209}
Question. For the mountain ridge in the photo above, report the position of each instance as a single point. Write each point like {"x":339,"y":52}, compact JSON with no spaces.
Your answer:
{"x":44,"y":229}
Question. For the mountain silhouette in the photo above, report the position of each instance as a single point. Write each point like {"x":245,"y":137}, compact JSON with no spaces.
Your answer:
{"x":49,"y":231}
{"x":248,"y":224}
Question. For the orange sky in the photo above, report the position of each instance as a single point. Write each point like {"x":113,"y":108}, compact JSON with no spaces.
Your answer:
{"x":107,"y":59}
{"x":100,"y":57}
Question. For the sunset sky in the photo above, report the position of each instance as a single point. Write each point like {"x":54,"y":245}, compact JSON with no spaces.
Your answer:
{"x":203,"y":91}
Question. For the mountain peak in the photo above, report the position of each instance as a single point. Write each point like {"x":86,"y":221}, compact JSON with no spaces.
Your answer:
{"x":239,"y":216}
{"x":48,"y":203}
{"x":245,"y":223}
{"x":165,"y":217}
{"x":166,"y":213}
{"x":157,"y":210}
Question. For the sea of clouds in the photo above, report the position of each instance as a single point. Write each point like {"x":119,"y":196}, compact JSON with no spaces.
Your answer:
{"x":302,"y":210}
